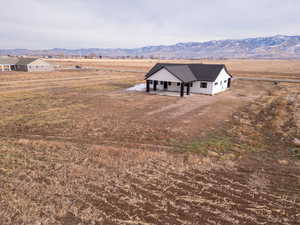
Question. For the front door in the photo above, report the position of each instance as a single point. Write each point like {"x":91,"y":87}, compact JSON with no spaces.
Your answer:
{"x":165,"y":85}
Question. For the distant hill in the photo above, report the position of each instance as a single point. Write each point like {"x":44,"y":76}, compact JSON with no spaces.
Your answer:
{"x":280,"y":46}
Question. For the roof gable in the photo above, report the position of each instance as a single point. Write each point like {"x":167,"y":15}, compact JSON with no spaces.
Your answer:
{"x":190,"y":72}
{"x":164,"y":75}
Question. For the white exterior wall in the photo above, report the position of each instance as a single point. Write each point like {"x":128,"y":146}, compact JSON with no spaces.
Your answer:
{"x":39,"y":66}
{"x":158,"y":86}
{"x":222,"y":81}
{"x":172,"y":87}
{"x":197,"y":88}
{"x":163,"y":75}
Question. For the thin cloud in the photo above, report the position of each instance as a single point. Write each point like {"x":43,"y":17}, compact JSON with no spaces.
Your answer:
{"x":37,"y":24}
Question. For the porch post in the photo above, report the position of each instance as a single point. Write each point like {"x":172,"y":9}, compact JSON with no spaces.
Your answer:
{"x":181,"y":90}
{"x":165,"y":85}
{"x":148,"y":86}
{"x":155,"y":85}
{"x":188,"y":89}
{"x":229,"y":83}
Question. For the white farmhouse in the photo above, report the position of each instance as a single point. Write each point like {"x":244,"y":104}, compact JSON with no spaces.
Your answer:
{"x":189,"y":78}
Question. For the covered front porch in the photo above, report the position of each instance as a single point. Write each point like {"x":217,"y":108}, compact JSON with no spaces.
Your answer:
{"x":167,"y":86}
{"x":5,"y":67}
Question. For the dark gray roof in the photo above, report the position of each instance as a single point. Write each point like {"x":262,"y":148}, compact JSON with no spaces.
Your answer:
{"x":190,"y":72}
{"x":6,"y":60}
{"x":25,"y":61}
{"x":182,"y":72}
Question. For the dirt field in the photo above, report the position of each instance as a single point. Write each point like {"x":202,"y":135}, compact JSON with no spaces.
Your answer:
{"x":241,"y":68}
{"x":77,"y":148}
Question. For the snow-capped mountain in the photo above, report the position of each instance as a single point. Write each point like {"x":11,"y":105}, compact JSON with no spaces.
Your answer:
{"x":279,"y":46}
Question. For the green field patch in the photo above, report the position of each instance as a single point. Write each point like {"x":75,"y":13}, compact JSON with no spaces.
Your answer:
{"x":218,"y":144}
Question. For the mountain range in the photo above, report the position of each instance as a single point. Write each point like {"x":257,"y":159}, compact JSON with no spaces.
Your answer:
{"x":274,"y":47}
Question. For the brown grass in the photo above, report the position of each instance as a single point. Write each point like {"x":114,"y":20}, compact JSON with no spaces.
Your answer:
{"x":76,"y":148}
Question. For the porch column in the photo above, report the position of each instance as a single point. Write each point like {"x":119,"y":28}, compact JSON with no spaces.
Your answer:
{"x":181,"y":90}
{"x":188,"y":89}
{"x":148,"y":85}
{"x":165,"y":85}
{"x":229,"y":83}
{"x":155,"y":85}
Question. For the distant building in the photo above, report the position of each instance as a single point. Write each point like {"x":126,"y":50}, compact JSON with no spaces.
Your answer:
{"x":33,"y":65}
{"x":24,"y":64}
{"x":8,"y":63}
{"x":188,"y":78}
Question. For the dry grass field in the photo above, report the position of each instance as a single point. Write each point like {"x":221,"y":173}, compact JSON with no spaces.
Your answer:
{"x":77,"y":148}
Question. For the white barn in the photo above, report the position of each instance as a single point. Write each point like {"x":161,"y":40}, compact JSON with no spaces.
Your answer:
{"x":207,"y":79}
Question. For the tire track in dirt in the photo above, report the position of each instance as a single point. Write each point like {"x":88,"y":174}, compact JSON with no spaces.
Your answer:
{"x":198,"y":103}
{"x":183,"y":106}
{"x":151,"y":147}
{"x":62,"y":79}
{"x":216,"y":203}
{"x":159,"y":191}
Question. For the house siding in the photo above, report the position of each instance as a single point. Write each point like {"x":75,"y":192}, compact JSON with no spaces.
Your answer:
{"x":222,"y":81}
{"x":197,"y":88}
{"x":172,"y":87}
{"x":39,"y":66}
{"x":163,"y":75}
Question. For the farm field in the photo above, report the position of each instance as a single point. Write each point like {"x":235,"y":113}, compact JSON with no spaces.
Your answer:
{"x":77,"y":148}
{"x":242,"y":68}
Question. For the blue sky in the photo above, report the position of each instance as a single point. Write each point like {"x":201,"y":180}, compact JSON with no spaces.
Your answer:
{"x":42,"y":24}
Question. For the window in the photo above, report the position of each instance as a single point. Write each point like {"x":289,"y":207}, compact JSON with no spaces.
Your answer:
{"x":225,"y":81}
{"x":191,"y":85}
{"x":169,"y":83}
{"x":151,"y":81}
{"x":178,"y":84}
{"x":216,"y":83}
{"x":161,"y":82}
{"x":203,"y":85}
